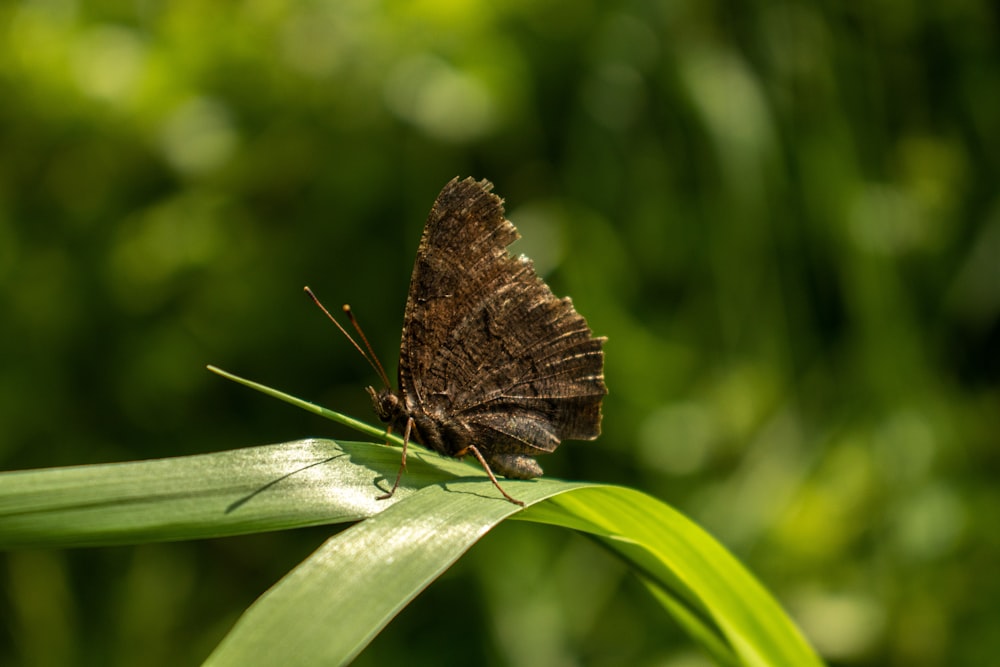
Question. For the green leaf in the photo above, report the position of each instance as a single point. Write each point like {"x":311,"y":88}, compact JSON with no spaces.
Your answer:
{"x":697,"y":578}
{"x":360,"y":579}
{"x":329,"y":608}
{"x":349,"y":422}
{"x":707,"y":590}
{"x":302,"y":483}
{"x":332,"y":605}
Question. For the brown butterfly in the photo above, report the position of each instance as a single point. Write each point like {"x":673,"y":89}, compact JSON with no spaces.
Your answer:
{"x":491,"y":363}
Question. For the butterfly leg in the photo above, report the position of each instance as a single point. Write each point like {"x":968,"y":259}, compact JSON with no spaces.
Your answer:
{"x":486,"y":467}
{"x":402,"y":464}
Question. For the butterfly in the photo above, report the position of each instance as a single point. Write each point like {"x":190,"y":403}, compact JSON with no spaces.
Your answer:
{"x":491,"y":363}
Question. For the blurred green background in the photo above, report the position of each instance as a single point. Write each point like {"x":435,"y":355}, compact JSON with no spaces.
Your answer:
{"x":784,"y":216}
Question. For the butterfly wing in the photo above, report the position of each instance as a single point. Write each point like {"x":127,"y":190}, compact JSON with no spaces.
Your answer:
{"x":487,"y":349}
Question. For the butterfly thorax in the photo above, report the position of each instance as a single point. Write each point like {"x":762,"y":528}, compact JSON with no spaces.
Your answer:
{"x":428,"y":428}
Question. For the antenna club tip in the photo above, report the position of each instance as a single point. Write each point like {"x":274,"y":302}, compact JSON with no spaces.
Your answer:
{"x":346,"y":308}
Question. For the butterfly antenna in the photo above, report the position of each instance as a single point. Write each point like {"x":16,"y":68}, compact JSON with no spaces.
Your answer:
{"x":374,"y":364}
{"x":377,"y":364}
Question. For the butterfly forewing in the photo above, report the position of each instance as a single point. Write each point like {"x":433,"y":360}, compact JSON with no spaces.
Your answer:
{"x":487,"y":349}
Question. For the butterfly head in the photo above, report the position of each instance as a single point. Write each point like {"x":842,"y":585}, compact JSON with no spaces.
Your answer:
{"x":388,"y":405}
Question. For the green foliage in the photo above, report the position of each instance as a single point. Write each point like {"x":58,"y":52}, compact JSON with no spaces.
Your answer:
{"x":784,"y":216}
{"x":328,"y":608}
